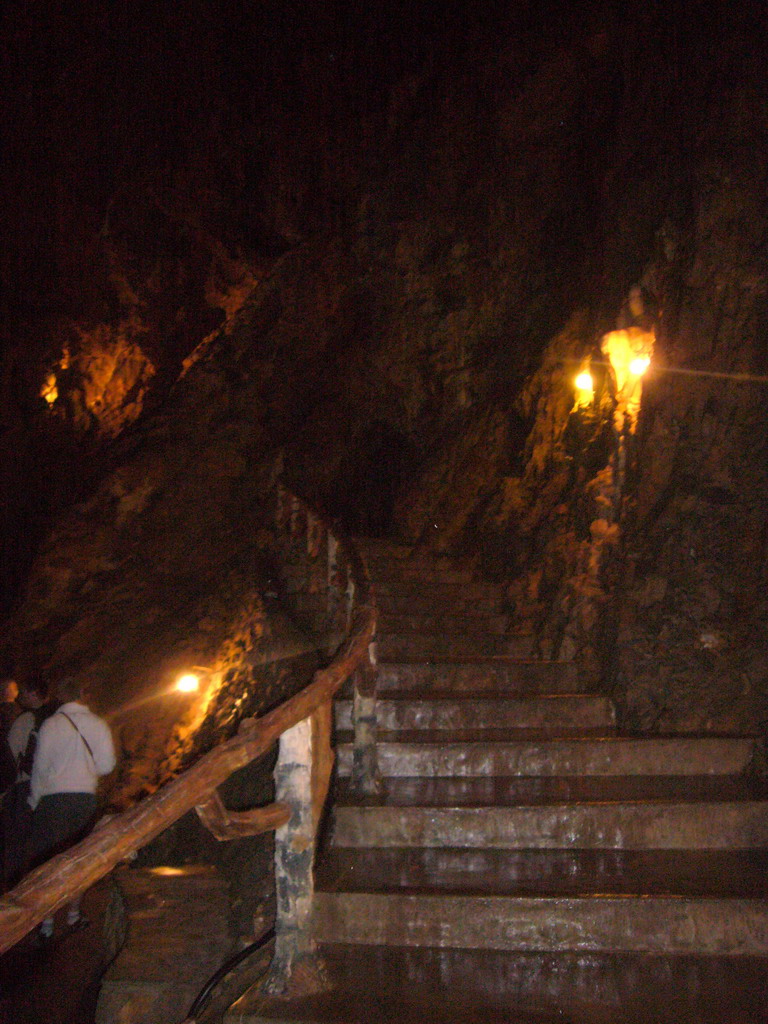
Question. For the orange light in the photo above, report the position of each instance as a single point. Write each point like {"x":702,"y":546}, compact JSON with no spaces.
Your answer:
{"x":629,"y":351}
{"x":49,"y":391}
{"x":188,"y":683}
{"x":585,"y":389}
{"x":639,"y":365}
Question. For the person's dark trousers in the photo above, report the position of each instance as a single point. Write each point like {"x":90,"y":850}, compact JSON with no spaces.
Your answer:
{"x":59,"y":821}
{"x":15,"y":833}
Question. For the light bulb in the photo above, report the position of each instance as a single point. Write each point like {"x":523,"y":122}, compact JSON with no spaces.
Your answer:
{"x":188,"y":683}
{"x":639,"y":365}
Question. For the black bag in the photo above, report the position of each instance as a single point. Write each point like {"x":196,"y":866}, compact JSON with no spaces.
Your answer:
{"x":40,"y":714}
{"x":15,"y":833}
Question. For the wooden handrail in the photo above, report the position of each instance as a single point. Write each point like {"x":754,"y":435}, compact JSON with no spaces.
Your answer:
{"x":69,"y":874}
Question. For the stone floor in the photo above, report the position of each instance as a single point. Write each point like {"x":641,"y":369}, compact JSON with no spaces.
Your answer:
{"x":177,"y":939}
{"x":175,"y":946}
{"x":381,"y":985}
{"x":58,"y":985}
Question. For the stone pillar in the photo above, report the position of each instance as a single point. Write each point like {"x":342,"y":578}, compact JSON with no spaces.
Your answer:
{"x":350,"y":596}
{"x":365,"y":769}
{"x":332,"y":581}
{"x":294,"y":866}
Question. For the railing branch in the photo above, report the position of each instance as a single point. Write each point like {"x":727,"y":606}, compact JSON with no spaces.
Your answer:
{"x":225,"y":824}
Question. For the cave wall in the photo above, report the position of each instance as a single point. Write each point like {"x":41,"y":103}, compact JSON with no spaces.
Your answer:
{"x":160,"y":163}
{"x":653,"y":581}
{"x":374,"y":250}
{"x":691,"y":635}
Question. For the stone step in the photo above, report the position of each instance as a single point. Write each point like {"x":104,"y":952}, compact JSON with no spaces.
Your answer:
{"x":479,"y":676}
{"x":532,"y":791}
{"x":557,"y":711}
{"x":486,"y":734}
{"x":420,"y":573}
{"x":406,"y":985}
{"x":608,"y":826}
{"x":425,"y":602}
{"x":423,"y":596}
{"x":424,"y":612}
{"x":738,"y":874}
{"x":384,"y":548}
{"x":436,"y":622}
{"x":590,"y":923}
{"x":609,"y":755}
{"x":393,"y":559}
{"x":411,"y":646}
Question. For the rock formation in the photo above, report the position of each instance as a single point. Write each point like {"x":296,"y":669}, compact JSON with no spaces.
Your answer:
{"x":375,"y":253}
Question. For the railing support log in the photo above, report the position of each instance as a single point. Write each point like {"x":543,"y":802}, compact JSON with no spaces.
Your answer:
{"x":225,"y":824}
{"x":322,"y":758}
{"x":365,"y":769}
{"x":294,"y":965}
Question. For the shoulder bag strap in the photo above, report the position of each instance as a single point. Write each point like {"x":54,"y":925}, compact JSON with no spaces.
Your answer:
{"x":85,"y":741}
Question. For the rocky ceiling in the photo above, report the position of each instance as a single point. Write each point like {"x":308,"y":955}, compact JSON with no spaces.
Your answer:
{"x":377,"y":245}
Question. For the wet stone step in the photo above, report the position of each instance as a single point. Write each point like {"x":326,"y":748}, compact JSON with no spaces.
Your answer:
{"x":393,"y":589}
{"x":630,"y":826}
{"x":516,"y":791}
{"x":391,"y":550}
{"x":609,"y":756}
{"x":590,"y":923}
{"x":403,"y":554}
{"x":426,"y":573}
{"x":404,"y":646}
{"x":575,"y":872}
{"x":483,"y":734}
{"x":406,"y":985}
{"x":587,"y":712}
{"x":480,"y":675}
{"x":436,"y":601}
{"x":443,"y":571}
{"x":435,"y":621}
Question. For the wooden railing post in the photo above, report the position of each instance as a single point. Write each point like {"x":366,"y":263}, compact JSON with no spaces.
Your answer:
{"x":302,"y":776}
{"x":365,"y":769}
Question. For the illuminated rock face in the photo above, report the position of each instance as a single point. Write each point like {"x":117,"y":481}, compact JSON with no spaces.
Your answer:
{"x":103,"y":384}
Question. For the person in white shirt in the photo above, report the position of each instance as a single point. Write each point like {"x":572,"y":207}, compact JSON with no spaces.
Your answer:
{"x":74,"y":749}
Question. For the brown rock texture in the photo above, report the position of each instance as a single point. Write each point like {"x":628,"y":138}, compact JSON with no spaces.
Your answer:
{"x":383,"y":284}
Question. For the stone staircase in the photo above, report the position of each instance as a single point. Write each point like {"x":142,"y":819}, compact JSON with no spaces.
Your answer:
{"x":525,"y":861}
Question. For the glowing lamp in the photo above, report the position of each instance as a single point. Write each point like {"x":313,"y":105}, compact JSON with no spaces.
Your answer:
{"x":585,"y":389}
{"x":49,"y":390}
{"x":639,"y":365}
{"x":188,"y":683}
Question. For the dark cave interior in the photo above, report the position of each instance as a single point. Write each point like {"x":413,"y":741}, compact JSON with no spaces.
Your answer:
{"x":375,"y":245}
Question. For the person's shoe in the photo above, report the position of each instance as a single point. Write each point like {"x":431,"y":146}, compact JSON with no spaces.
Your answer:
{"x":42,"y":941}
{"x":78,"y":924}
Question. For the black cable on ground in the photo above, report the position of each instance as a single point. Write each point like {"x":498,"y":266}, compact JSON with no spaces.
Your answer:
{"x":229,"y":965}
